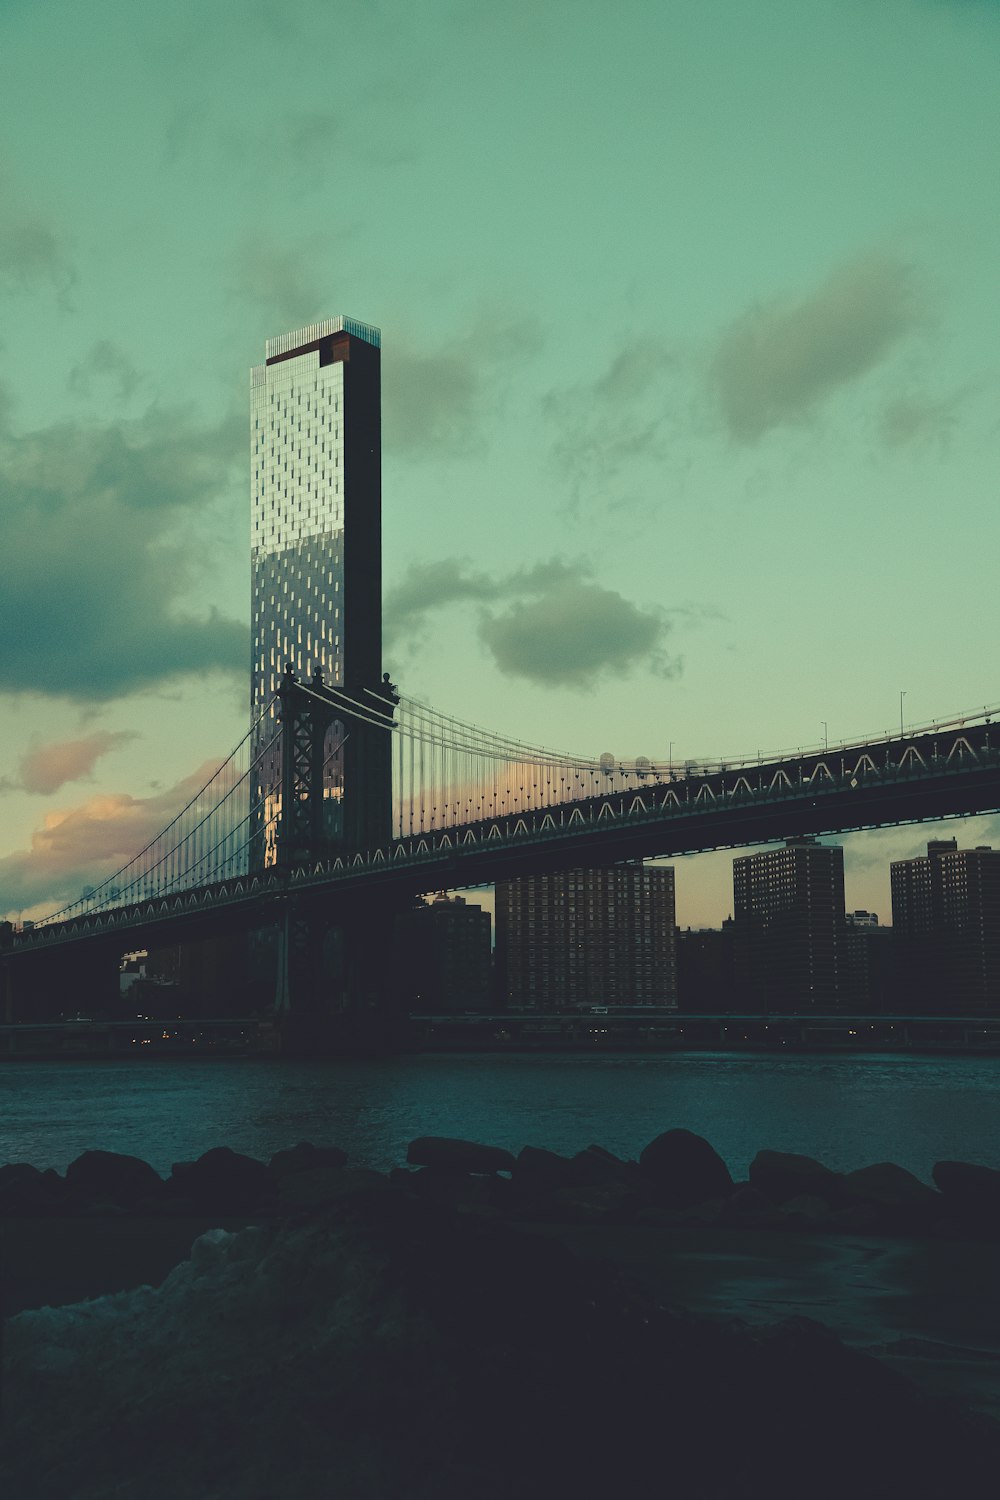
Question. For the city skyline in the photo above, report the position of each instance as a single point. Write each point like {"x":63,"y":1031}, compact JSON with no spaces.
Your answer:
{"x":688,"y":436}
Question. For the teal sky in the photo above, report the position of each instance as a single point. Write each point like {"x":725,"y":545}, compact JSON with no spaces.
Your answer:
{"x":689,"y":317}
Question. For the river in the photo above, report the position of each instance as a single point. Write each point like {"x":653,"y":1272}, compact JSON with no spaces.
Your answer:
{"x":846,"y":1111}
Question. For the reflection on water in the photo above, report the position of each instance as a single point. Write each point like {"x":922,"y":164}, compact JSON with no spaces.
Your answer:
{"x":846,"y":1111}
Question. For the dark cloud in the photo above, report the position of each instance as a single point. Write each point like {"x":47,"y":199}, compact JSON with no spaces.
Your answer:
{"x":281,"y":283}
{"x":32,"y":253}
{"x":576,"y":634}
{"x":779,"y":362}
{"x":916,"y":420}
{"x":557,"y":627}
{"x":83,"y":845}
{"x":606,"y":426}
{"x":105,"y":365}
{"x":435,"y":399}
{"x":431,"y":586}
{"x":45,"y":768}
{"x":100,"y":544}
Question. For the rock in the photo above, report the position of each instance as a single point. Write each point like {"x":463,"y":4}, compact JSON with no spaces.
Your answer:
{"x":323,"y":1187}
{"x":612,"y":1203}
{"x":27,"y":1193}
{"x":971,"y":1192}
{"x":460,"y":1156}
{"x":466,"y":1191}
{"x":111,"y":1177}
{"x":224,"y":1182}
{"x":887,"y":1186}
{"x":748,"y":1200}
{"x":595,"y":1166}
{"x":536,"y":1167}
{"x":781,"y":1175}
{"x":685,"y":1169}
{"x":704,"y":1215}
{"x":305,"y":1157}
{"x":805,"y":1213}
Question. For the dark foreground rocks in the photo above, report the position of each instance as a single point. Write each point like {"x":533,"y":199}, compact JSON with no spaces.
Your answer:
{"x":394,"y":1348}
{"x":679,"y":1179}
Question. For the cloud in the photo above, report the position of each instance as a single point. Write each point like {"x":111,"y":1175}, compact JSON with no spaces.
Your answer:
{"x":100,"y":545}
{"x":781,"y":360}
{"x":282,"y":283}
{"x":105,"y":362}
{"x":431,"y":586}
{"x":918,"y":419}
{"x":32,"y":253}
{"x":83,"y":845}
{"x":574,"y":635}
{"x":607,"y":426}
{"x":45,"y":768}
{"x":557,"y":627}
{"x":435,"y":398}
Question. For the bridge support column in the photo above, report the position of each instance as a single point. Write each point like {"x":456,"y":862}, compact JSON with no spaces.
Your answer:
{"x":63,"y":981}
{"x":337,"y":990}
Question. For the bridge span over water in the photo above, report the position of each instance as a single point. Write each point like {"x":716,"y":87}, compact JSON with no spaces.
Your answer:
{"x":263,"y":843}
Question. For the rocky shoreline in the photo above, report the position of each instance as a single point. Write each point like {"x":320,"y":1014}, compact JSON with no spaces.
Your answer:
{"x":678,"y":1179}
{"x":432,"y":1331}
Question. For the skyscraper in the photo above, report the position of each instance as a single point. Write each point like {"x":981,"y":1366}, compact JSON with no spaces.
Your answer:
{"x":946,"y":921}
{"x":588,"y":937}
{"x":789,"y":924}
{"x":316,"y":529}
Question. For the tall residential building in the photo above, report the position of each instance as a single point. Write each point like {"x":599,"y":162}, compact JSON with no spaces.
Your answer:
{"x":446,"y":958}
{"x":706,"y":980}
{"x":316,"y":527}
{"x":789,"y":927}
{"x":869,"y":958}
{"x":946,"y":921}
{"x":580,"y":938}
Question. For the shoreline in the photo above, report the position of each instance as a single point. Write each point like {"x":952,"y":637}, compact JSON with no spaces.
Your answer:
{"x":868,"y":1291}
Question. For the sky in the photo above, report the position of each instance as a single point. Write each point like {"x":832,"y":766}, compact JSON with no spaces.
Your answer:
{"x":689,"y":319}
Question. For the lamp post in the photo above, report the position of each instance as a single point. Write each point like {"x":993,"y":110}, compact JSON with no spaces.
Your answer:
{"x":826,"y":737}
{"x":902,"y":695}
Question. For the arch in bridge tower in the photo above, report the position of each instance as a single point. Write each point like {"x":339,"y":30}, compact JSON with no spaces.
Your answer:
{"x":741,"y":781}
{"x":576,"y":816}
{"x":865,"y":763}
{"x":520,"y":826}
{"x":705,"y":792}
{"x":607,"y":811}
{"x":670,"y":796}
{"x":494,"y":832}
{"x":962,"y":746}
{"x":780,"y":778}
{"x":912,"y":755}
{"x":548,"y":822}
{"x":820,"y":769}
{"x":470,"y":837}
{"x":637,"y":805}
{"x":444,"y":842}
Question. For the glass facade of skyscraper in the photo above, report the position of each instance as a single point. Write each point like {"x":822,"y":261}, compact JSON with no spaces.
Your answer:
{"x":315,"y":450}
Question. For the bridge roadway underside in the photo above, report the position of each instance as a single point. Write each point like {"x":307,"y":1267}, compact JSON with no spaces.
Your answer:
{"x":358,"y":895}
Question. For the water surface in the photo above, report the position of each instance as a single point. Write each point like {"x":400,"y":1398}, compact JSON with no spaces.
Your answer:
{"x":847,"y":1111}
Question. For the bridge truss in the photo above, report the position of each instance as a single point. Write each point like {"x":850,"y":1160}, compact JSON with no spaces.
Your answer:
{"x":469,"y":807}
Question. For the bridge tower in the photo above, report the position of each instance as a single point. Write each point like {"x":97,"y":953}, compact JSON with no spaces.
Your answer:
{"x":333,"y":987}
{"x":316,"y":566}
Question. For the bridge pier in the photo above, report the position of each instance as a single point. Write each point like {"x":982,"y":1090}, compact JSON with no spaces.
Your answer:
{"x":337,"y":987}
{"x":63,"y":982}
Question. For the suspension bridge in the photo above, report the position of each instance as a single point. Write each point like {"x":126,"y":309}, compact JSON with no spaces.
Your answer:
{"x":337,"y":802}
